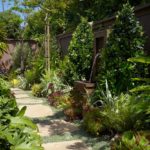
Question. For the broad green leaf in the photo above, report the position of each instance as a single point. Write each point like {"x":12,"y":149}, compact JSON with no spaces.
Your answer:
{"x":25,"y":146}
{"x":22,"y":121}
{"x":141,"y":79}
{"x":141,"y":88}
{"x":140,"y":59}
{"x":22,"y":111}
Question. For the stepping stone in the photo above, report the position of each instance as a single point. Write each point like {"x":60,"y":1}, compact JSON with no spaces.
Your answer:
{"x":67,"y":145}
{"x":38,"y":110}
{"x":21,"y":96}
{"x":28,"y":101}
{"x":19,"y":91}
{"x":56,"y":127}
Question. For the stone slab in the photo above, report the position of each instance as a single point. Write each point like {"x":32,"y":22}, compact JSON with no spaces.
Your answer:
{"x":67,"y":145}
{"x":38,"y":110}
{"x":56,"y":127}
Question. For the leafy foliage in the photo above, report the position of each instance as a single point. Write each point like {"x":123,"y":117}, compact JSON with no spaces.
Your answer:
{"x":3,"y":46}
{"x":23,"y":84}
{"x":145,"y":60}
{"x":16,"y":131}
{"x":125,"y":41}
{"x":4,"y":88}
{"x":20,"y":134}
{"x":80,"y":53}
{"x":65,"y":15}
{"x":93,"y":122}
{"x":94,"y":9}
{"x":21,"y":55}
{"x":76,"y":105}
{"x":37,"y":90}
{"x":143,"y":88}
{"x":130,"y":140}
{"x":53,"y":77}
{"x":35,"y":27}
{"x":128,"y":113}
{"x":123,"y":112}
{"x":8,"y":107}
{"x":31,"y":77}
{"x":11,"y":23}
{"x":35,"y":71}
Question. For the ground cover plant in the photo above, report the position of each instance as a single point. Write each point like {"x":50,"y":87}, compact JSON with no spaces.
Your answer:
{"x":37,"y":90}
{"x":120,"y":113}
{"x":92,"y":122}
{"x":132,"y":140}
{"x":77,"y":106}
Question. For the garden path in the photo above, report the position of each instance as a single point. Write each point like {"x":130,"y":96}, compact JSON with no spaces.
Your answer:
{"x":57,"y":134}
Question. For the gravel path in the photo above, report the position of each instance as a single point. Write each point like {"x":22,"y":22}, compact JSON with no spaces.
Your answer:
{"x":57,"y":134}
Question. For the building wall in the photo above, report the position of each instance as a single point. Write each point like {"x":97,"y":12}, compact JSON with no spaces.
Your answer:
{"x":144,"y":18}
{"x":63,"y":41}
{"x":101,"y":28}
{"x":6,"y":60}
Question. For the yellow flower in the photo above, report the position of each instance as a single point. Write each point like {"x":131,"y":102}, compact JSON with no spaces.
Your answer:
{"x":15,"y":82}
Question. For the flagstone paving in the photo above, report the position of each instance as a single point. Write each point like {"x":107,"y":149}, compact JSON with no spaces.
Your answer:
{"x":57,"y":133}
{"x":74,"y":145}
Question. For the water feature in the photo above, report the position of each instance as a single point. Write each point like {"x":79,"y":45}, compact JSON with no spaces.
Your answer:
{"x":93,"y":66}
{"x":87,"y":86}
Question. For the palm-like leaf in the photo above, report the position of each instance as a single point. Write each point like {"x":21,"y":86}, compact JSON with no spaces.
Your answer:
{"x":145,"y":60}
{"x":141,"y":88}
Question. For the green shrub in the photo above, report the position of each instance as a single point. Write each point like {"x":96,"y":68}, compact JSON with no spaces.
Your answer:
{"x":19,"y":134}
{"x":145,"y":88}
{"x":80,"y":53}
{"x":128,"y":112}
{"x":142,"y":91}
{"x":22,"y":83}
{"x":4,"y":88}
{"x":79,"y":102}
{"x":34,"y":71}
{"x":8,"y":107}
{"x":125,"y":41}
{"x":64,"y":101}
{"x":132,"y":141}
{"x":75,"y":104}
{"x":16,"y":131}
{"x":72,"y":113}
{"x":93,"y":122}
{"x":124,"y":112}
{"x":53,"y":77}
{"x":21,"y":56}
{"x":55,"y":57}
{"x":53,"y":98}
{"x":32,"y":77}
{"x":3,"y":46}
{"x":37,"y":90}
